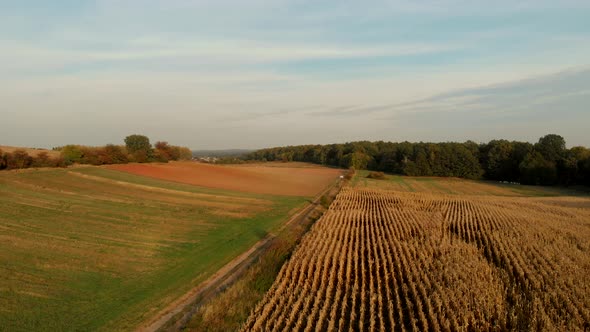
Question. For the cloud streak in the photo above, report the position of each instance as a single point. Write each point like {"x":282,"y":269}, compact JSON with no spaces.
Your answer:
{"x":30,"y":57}
{"x":249,"y":74}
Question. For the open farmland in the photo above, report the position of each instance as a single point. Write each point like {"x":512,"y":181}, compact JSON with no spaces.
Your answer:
{"x":384,"y":260}
{"x":90,"y":248}
{"x":456,"y":186}
{"x":274,"y":178}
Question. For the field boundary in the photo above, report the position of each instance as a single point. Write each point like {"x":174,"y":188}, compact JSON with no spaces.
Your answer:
{"x":227,"y":274}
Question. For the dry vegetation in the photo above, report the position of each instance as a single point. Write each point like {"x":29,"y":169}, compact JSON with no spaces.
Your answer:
{"x":294,"y":179}
{"x":87,"y":248}
{"x":381,"y":260}
{"x":229,"y":309}
{"x":31,"y":151}
{"x":457,"y":186}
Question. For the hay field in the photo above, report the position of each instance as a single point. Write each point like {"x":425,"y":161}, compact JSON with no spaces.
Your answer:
{"x":456,"y":186}
{"x":296,"y":179}
{"x":95,"y":249}
{"x":385,"y":260}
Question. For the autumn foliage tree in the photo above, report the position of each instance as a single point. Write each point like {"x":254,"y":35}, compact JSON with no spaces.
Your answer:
{"x":113,"y":154}
{"x":2,"y":160}
{"x":42,"y":160}
{"x":19,"y":159}
{"x":139,"y":147}
{"x":166,"y":151}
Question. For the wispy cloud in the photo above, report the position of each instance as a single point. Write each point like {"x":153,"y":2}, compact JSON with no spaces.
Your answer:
{"x":530,"y":91}
{"x":29,"y":57}
{"x":295,"y":71}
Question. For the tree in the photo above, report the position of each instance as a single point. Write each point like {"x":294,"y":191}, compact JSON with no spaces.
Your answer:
{"x":184,"y":153}
{"x":551,"y":147}
{"x":519,"y":152}
{"x":72,"y":154}
{"x":42,"y":160}
{"x":499,"y":161}
{"x":135,"y":143}
{"x":567,"y":170}
{"x":356,"y":160}
{"x":2,"y":160}
{"x":112,"y":154}
{"x":139,"y":147}
{"x":418,"y":165}
{"x":422,"y":165}
{"x":19,"y":159}
{"x":537,"y":170}
{"x":463,"y":163}
{"x":91,"y":155}
{"x":165,"y":151}
{"x":335,"y":153}
{"x":571,"y":167}
{"x":584,"y":171}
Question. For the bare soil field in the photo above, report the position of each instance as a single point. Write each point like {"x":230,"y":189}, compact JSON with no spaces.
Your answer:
{"x":292,"y":179}
{"x":30,"y":151}
{"x":384,"y":260}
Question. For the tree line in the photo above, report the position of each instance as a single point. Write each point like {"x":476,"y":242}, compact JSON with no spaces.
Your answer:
{"x":137,"y":148}
{"x":547,"y":162}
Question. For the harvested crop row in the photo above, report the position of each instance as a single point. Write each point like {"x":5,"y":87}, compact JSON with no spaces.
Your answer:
{"x":381,"y":260}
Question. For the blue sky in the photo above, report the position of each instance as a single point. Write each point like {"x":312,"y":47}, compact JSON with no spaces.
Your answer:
{"x":249,"y":74}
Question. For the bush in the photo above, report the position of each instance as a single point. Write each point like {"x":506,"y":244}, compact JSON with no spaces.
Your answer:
{"x":376,"y":175}
{"x":350,"y":174}
{"x":2,"y":160}
{"x":42,"y":160}
{"x":18,"y":159}
{"x":72,"y":154}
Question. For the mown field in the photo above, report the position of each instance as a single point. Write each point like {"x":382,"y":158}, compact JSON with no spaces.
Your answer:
{"x":416,"y":254}
{"x":455,"y":186}
{"x":89,"y":248}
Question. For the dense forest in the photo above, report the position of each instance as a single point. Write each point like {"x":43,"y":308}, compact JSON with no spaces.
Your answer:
{"x":137,"y":148}
{"x":547,"y":162}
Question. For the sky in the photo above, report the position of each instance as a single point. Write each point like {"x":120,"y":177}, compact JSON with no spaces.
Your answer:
{"x":253,"y":74}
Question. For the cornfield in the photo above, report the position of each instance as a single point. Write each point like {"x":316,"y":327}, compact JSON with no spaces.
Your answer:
{"x":393,"y":261}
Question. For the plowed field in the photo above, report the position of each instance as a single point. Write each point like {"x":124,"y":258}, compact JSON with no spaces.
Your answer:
{"x":291,"y":179}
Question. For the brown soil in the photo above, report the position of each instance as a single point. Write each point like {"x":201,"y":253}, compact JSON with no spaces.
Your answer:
{"x":255,"y":178}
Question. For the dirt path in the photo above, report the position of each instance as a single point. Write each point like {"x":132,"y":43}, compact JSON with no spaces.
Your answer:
{"x":227,"y":274}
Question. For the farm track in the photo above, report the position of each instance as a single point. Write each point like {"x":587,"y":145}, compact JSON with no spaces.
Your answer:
{"x":392,"y":261}
{"x":223,"y":277}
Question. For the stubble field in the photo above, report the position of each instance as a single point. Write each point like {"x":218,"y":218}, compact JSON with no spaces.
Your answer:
{"x":90,"y":248}
{"x":395,"y":260}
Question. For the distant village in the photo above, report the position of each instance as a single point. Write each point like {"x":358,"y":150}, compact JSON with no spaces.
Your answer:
{"x":204,"y":159}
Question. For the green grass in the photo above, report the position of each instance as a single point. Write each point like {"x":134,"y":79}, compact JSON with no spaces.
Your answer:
{"x":400,"y":179}
{"x":435,"y":184}
{"x":456,"y":186}
{"x":81,"y":254}
{"x":543,"y":191}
